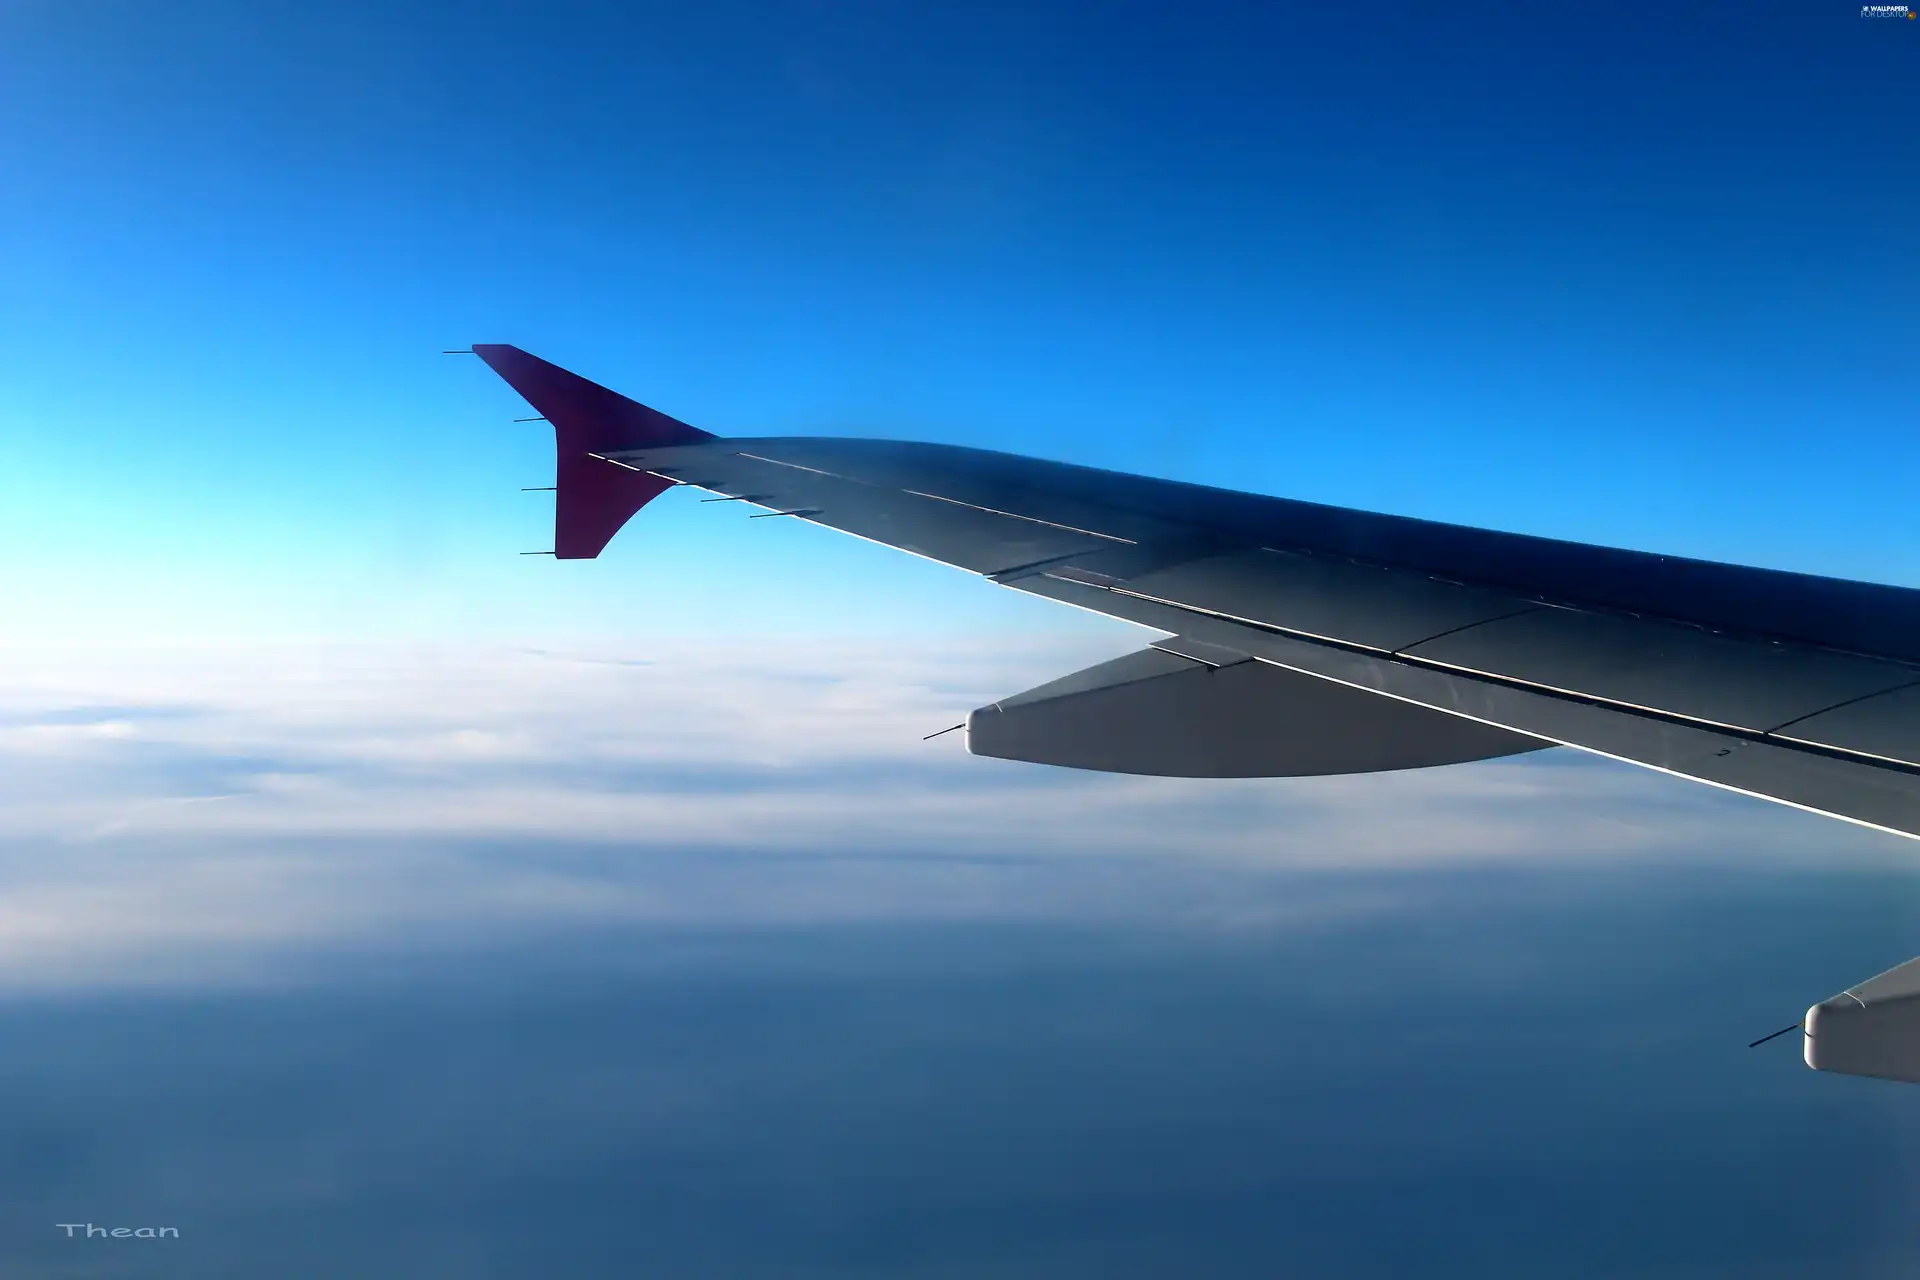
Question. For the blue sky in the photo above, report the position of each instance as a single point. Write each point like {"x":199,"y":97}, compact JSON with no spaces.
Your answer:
{"x":375,"y":900}
{"x":1640,"y":276}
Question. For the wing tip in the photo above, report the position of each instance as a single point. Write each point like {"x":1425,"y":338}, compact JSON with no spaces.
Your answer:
{"x":593,"y":498}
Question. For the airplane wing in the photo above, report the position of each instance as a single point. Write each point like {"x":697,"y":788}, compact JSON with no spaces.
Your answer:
{"x":1308,"y":639}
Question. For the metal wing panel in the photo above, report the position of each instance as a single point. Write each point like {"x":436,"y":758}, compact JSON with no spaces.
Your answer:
{"x":1859,"y":617}
{"x":975,"y":477}
{"x":1856,"y":790}
{"x":1429,"y":629}
{"x":1886,"y":725}
{"x":1380,"y":602}
{"x":1634,"y":663}
{"x":1333,"y":599}
{"x":980,"y":541}
{"x":1752,"y":685}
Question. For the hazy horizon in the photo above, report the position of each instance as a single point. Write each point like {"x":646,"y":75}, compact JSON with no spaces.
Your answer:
{"x":378,"y":901}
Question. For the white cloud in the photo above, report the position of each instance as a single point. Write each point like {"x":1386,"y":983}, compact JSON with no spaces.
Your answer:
{"x":162,"y":806}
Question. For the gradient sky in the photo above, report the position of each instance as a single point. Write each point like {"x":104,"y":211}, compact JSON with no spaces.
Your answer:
{"x":1004,"y":1102}
{"x":1643,"y":276}
{"x":375,"y":901}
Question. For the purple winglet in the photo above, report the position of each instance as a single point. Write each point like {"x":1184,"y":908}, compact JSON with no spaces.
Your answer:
{"x":593,"y":497}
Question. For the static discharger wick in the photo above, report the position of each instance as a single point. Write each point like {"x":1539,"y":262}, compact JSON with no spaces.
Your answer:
{"x":1775,"y":1036}
{"x":949,"y":729}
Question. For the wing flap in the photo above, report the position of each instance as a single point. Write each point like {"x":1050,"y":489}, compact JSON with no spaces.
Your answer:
{"x":1682,"y":671}
{"x":1858,"y":790}
{"x":1636,"y":663}
{"x":1886,"y":725}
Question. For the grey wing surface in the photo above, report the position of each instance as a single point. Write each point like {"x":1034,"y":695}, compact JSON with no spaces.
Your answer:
{"x":1310,"y":639}
{"x":1303,"y":639}
{"x":1802,"y":690}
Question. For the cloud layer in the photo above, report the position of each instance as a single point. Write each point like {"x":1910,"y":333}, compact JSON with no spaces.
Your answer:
{"x":162,"y":806}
